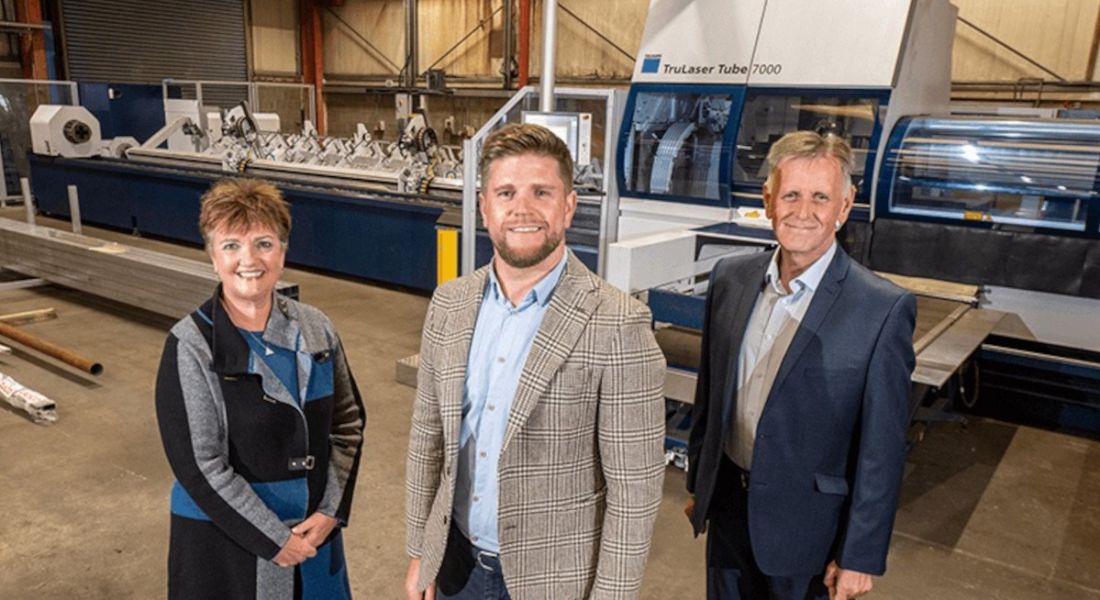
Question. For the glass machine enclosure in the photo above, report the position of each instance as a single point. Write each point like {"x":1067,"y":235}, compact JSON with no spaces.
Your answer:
{"x":1028,"y":175}
{"x":708,"y":144}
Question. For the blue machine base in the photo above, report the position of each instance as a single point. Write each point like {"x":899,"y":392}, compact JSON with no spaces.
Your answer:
{"x":343,"y":232}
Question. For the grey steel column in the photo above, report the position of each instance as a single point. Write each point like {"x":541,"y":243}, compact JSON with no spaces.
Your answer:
{"x":412,"y":44}
{"x":469,"y":206}
{"x":506,"y":64}
{"x":549,"y":53}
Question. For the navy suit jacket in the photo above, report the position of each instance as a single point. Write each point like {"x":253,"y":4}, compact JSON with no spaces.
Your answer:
{"x":830,"y":445}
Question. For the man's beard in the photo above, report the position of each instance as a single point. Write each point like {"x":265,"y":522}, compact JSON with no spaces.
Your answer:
{"x":523,"y":261}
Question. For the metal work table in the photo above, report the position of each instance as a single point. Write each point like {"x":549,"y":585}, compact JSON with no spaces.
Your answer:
{"x":949,"y":328}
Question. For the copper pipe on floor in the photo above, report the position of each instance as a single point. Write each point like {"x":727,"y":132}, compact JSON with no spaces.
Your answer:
{"x":50,"y":349}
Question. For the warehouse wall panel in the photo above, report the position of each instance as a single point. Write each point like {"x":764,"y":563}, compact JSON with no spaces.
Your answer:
{"x":581,"y":53}
{"x":1056,"y":33}
{"x":444,"y":22}
{"x":380,"y":22}
{"x":275,"y":46}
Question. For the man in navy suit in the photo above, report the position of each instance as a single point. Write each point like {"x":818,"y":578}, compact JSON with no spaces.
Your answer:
{"x":802,"y":406}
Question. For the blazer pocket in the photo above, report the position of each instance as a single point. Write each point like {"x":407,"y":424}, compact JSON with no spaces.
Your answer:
{"x":830,"y":484}
{"x":571,"y":377}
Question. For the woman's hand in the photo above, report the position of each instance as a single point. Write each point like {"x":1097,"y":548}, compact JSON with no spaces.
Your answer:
{"x":296,"y":551}
{"x":315,"y":529}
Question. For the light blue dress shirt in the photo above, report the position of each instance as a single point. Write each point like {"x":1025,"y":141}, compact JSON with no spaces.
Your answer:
{"x":502,"y":340}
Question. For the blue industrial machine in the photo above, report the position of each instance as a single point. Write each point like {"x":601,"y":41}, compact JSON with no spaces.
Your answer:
{"x":1010,"y":205}
{"x":387,"y":211}
{"x":717,"y":82}
{"x":953,"y":200}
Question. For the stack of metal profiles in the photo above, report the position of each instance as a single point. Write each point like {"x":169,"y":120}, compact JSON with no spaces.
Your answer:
{"x":156,"y":282}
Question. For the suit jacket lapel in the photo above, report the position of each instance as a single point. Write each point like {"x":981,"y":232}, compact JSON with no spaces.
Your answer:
{"x":567,"y":315}
{"x":824,"y":297}
{"x":735,"y":319}
{"x":460,"y":321}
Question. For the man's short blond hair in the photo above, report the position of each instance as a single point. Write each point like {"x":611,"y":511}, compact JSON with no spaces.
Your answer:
{"x":517,"y":139}
{"x":241,"y":204}
{"x":810,"y":144}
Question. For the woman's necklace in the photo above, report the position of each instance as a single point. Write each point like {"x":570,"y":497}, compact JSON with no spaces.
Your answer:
{"x":259,"y":340}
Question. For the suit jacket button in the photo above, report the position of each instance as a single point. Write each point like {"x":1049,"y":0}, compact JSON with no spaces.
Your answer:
{"x":444,"y":519}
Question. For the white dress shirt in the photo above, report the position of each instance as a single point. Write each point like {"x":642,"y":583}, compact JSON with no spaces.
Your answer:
{"x":774,"y":320}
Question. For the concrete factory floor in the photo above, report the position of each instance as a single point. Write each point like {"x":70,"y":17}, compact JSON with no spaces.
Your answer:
{"x":988,"y":511}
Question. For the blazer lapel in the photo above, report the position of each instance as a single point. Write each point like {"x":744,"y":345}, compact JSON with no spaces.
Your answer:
{"x":461,"y":322}
{"x":567,"y":315}
{"x":735,"y":319}
{"x":823,"y":300}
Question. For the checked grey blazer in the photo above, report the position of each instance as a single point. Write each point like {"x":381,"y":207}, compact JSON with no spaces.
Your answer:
{"x":582,"y":465}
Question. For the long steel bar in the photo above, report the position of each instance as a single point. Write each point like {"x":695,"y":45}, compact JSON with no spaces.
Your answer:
{"x":74,"y":210}
{"x":51,"y":349}
{"x":28,"y":202}
{"x":10,"y":25}
{"x":22,"y":284}
{"x":156,"y":282}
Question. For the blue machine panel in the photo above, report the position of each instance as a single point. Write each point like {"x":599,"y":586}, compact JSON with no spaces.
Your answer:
{"x":708,"y":144}
{"x":124,"y":109}
{"x":770,"y":113}
{"x":677,"y":309}
{"x":675,"y":142}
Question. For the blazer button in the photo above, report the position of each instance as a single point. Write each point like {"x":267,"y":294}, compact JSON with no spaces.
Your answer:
{"x":444,"y":519}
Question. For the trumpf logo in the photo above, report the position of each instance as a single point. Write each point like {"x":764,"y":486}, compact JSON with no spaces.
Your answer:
{"x":651,"y":63}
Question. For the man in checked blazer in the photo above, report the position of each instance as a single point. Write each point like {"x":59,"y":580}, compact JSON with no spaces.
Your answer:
{"x":535,"y":458}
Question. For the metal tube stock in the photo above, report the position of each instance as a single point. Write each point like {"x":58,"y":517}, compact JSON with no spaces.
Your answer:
{"x":74,"y":209}
{"x":50,"y":349}
{"x":28,"y":202}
